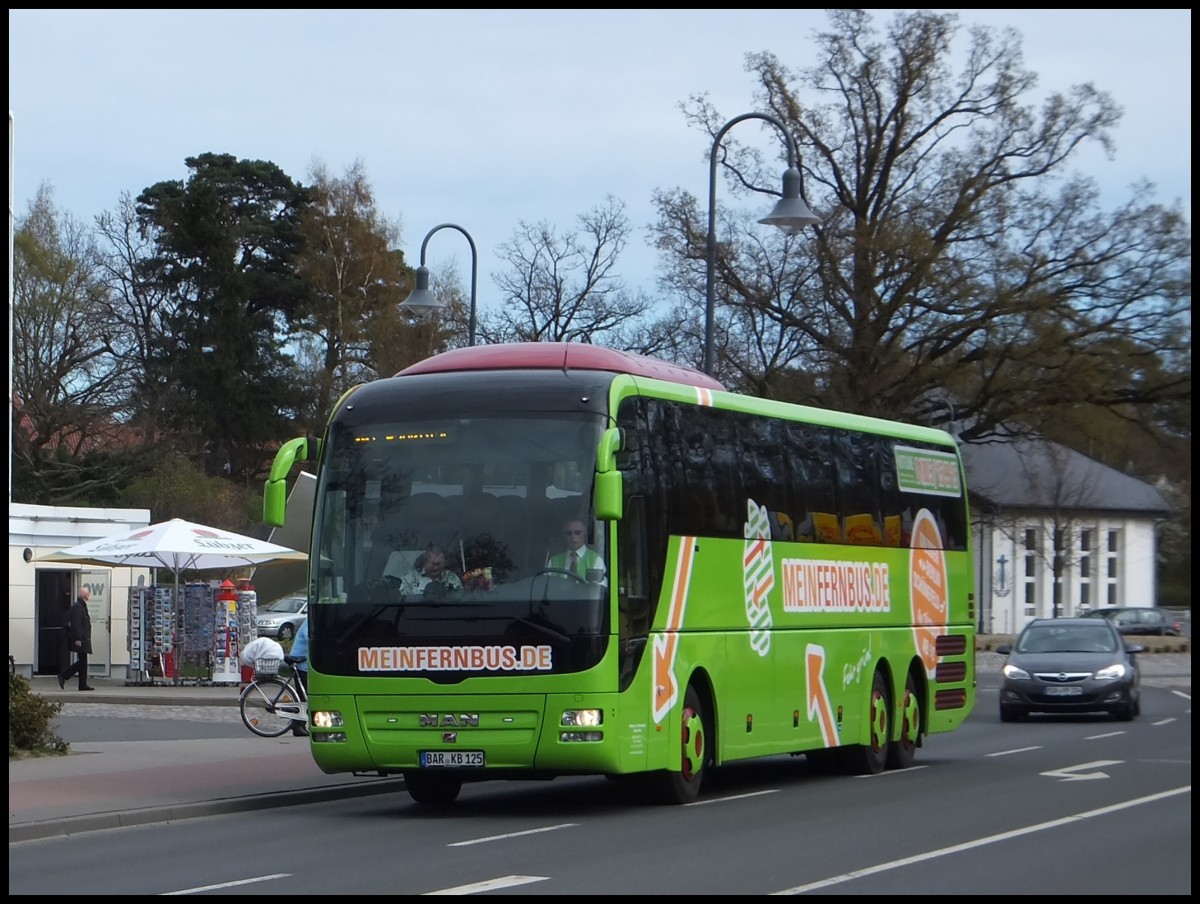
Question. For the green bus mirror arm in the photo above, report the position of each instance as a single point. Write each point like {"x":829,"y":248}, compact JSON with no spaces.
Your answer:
{"x":275,"y":490}
{"x":606,"y":452}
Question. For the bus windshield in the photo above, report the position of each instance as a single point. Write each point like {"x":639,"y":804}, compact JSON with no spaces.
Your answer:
{"x":456,"y":528}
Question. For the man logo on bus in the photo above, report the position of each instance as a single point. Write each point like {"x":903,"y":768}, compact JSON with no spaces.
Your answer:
{"x":758,"y":571}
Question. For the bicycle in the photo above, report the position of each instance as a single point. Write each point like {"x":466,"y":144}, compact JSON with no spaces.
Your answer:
{"x":270,"y":704}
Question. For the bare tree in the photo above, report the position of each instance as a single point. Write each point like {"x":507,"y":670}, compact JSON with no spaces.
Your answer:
{"x":564,"y":288}
{"x":69,"y":378}
{"x":955,"y":249}
{"x":1071,"y":498}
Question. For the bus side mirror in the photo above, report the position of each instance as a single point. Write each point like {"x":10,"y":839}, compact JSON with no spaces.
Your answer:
{"x":607,"y":496}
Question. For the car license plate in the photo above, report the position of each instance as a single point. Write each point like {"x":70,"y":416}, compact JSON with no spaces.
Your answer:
{"x":1070,"y":690}
{"x":451,"y":758}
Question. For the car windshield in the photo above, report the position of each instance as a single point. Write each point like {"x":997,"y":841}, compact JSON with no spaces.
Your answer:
{"x":287,"y":605}
{"x":1056,"y":639}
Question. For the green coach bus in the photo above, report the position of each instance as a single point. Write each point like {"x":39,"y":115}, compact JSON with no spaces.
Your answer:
{"x":764,"y":579}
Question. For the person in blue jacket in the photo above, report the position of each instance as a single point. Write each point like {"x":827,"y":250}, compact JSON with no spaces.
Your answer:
{"x":300,"y":648}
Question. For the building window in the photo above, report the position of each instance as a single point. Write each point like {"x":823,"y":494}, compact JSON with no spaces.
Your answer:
{"x":1029,"y":590}
{"x":1112,"y":566}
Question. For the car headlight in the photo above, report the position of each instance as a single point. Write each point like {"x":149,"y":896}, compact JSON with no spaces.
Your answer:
{"x":1011,"y":671}
{"x":1113,"y":672}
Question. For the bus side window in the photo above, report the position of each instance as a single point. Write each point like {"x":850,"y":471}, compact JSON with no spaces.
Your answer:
{"x":634,"y":612}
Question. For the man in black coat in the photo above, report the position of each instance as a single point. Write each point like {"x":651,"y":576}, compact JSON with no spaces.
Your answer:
{"x":79,"y":640}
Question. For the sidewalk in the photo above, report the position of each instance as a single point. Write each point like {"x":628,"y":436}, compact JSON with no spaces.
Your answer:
{"x":106,"y":784}
{"x":135,"y":780}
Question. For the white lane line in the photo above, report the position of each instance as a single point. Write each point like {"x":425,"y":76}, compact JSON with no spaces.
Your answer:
{"x":565,"y":825}
{"x":980,"y":842}
{"x":490,"y":885}
{"x":204,"y":888}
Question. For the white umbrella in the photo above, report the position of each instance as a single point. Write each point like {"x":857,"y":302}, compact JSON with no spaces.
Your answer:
{"x":179,"y":546}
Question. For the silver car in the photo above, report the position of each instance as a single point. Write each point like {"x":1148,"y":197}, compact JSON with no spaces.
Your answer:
{"x":282,"y":618}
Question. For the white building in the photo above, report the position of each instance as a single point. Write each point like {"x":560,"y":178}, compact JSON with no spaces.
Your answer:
{"x":39,"y":593}
{"x":1057,"y":533}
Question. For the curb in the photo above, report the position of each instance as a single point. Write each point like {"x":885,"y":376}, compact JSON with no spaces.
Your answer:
{"x":73,"y":825}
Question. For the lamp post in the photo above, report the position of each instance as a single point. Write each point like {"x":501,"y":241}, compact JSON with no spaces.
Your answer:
{"x":421,"y":301}
{"x":791,"y":214}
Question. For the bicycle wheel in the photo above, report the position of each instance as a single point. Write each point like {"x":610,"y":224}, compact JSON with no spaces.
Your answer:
{"x":258,"y":703}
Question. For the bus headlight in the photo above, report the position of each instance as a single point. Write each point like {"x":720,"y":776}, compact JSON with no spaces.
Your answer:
{"x":327,"y":718}
{"x":582,"y":717}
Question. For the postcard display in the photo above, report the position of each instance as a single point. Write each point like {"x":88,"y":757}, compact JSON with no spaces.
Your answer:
{"x":201,"y":645}
{"x":151,"y":630}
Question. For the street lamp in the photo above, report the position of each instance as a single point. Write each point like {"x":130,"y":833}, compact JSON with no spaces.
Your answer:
{"x":791,"y":214}
{"x":423,"y":302}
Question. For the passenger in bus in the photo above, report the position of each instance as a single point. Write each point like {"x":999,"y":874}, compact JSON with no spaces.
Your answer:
{"x":578,"y":558}
{"x":429,"y":575}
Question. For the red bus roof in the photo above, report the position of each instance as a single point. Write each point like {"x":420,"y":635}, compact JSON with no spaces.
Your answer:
{"x":559,"y":355}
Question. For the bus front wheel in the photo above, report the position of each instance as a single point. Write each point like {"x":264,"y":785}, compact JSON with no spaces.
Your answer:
{"x":433,"y":788}
{"x":683,"y":787}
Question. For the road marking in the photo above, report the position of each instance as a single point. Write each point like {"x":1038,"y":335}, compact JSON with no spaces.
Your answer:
{"x":203,"y":888}
{"x":980,"y":842}
{"x":565,"y":825}
{"x":721,"y":800}
{"x":1072,"y":773}
{"x":490,"y":885}
{"x":1015,"y":750}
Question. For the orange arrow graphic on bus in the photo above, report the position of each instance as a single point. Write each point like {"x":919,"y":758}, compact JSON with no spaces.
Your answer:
{"x":819,"y":707}
{"x":666,"y":690}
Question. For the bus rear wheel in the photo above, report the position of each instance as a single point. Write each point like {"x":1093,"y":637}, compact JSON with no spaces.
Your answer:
{"x":683,"y":787}
{"x":432,"y":788}
{"x":871,"y":758}
{"x":903,"y":751}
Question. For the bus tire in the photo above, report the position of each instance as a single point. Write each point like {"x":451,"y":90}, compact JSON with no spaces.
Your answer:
{"x":871,"y":758}
{"x":903,"y":751}
{"x":432,"y":788}
{"x":683,"y":786}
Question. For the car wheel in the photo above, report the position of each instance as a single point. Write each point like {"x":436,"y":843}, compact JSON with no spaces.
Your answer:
{"x":1009,"y":713}
{"x":286,"y":631}
{"x":1126,"y":712}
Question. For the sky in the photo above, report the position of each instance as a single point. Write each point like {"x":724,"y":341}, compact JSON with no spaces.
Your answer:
{"x":487,"y":119}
